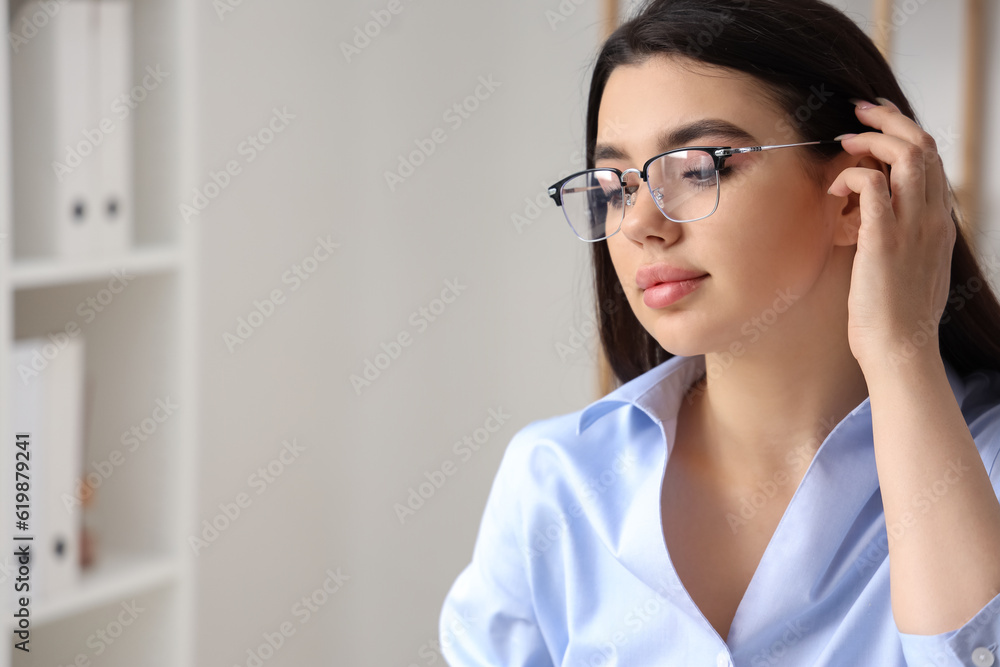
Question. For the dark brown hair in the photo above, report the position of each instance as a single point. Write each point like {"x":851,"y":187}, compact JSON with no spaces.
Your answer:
{"x":797,"y":49}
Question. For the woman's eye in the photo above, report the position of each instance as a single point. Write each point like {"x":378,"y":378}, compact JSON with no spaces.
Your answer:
{"x":699,"y":174}
{"x":706,"y":174}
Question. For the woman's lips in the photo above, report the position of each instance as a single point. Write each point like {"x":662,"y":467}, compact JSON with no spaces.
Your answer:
{"x":664,"y":294}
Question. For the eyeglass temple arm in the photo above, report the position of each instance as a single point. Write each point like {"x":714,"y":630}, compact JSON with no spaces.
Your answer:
{"x":729,"y":152}
{"x":722,"y":153}
{"x":556,"y":193}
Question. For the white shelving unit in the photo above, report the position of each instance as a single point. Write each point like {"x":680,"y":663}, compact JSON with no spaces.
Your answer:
{"x":140,"y":348}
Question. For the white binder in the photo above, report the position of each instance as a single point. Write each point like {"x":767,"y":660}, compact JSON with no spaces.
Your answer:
{"x":47,"y":397}
{"x":114,"y":212}
{"x":60,"y":139}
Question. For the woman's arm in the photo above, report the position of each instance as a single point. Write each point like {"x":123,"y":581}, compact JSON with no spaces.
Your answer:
{"x":941,"y":511}
{"x":942,"y":514}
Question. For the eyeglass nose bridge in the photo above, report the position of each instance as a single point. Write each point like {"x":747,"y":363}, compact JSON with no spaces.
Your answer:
{"x":631,"y":190}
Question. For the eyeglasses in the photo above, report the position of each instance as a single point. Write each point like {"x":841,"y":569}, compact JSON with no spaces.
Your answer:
{"x":684,"y":183}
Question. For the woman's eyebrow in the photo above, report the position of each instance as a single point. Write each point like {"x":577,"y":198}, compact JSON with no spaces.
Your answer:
{"x":683,"y":136}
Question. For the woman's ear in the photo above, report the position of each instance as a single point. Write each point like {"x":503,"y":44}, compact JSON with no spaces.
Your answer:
{"x":848,"y":220}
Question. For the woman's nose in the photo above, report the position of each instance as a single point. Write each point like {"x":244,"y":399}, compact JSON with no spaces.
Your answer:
{"x":643,"y":218}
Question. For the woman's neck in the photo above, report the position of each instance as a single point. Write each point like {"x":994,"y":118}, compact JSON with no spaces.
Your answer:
{"x":758,"y":414}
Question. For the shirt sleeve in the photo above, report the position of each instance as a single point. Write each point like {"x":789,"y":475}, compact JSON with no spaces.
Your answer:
{"x":972,"y":645}
{"x":488,"y":617}
{"x":977,"y":643}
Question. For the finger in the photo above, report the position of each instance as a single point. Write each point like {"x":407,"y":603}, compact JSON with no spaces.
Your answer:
{"x":874,"y":202}
{"x":891,"y":122}
{"x":936,"y":180}
{"x":908,"y":168}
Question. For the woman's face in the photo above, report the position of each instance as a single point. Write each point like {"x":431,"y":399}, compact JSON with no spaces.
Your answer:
{"x":766,"y":247}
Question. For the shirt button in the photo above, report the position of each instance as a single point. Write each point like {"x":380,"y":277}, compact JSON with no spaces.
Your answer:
{"x":722,"y":660}
{"x":982,"y":657}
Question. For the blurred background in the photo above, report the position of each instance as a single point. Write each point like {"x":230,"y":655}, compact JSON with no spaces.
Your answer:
{"x":433,"y":300}
{"x":518,"y":339}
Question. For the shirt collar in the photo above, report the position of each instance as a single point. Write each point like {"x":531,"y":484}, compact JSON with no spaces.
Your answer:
{"x":658,"y":391}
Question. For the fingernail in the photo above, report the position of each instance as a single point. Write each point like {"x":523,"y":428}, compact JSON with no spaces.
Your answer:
{"x":844,"y":136}
{"x":886,"y":103}
{"x":862,"y":104}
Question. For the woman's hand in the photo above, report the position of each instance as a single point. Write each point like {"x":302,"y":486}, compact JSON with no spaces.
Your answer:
{"x":902,"y":267}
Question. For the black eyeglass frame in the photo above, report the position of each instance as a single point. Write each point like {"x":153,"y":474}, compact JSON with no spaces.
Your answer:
{"x":719,"y":154}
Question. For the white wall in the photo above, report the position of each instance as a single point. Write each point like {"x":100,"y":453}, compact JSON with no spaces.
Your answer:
{"x":494,"y":347}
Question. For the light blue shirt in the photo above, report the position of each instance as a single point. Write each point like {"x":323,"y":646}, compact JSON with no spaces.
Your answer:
{"x":570,"y":565}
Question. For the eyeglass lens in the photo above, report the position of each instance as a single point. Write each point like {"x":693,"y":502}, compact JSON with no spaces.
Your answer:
{"x":684,"y":185}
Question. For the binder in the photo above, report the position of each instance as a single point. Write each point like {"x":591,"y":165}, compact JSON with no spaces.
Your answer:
{"x":57,"y":138}
{"x":114,"y":203}
{"x":47,"y":397}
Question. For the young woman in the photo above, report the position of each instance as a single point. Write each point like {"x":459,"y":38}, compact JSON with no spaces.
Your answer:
{"x":799,"y":464}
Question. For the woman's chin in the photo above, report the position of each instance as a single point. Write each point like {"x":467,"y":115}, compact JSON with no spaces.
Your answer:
{"x":679,"y":339}
{"x":681,"y":346}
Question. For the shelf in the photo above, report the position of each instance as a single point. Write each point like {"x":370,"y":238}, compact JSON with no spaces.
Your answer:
{"x":44,"y":272}
{"x":140,"y":354}
{"x":117,"y":578}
